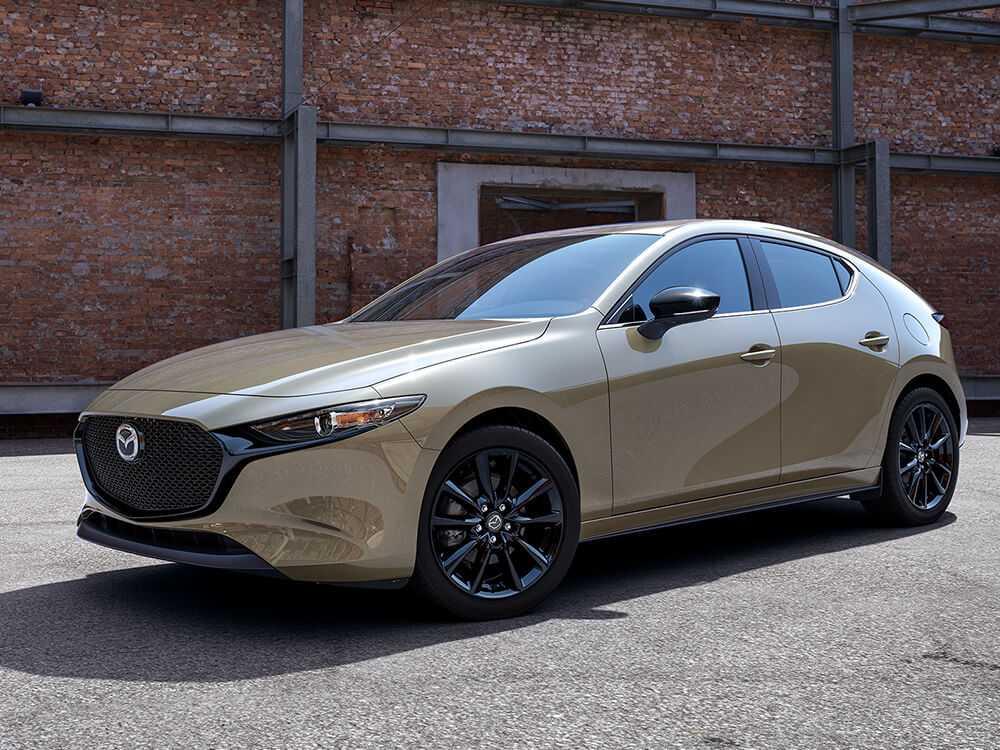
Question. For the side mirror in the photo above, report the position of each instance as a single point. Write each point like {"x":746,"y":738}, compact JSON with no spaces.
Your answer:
{"x":677,"y":305}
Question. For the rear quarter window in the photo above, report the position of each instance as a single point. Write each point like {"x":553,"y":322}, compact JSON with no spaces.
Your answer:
{"x":843,"y":273}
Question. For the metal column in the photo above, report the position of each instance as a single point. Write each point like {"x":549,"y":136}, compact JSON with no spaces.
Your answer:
{"x":298,"y":181}
{"x":292,"y":25}
{"x":842,"y":84}
{"x":298,"y":219}
{"x":879,"y":201}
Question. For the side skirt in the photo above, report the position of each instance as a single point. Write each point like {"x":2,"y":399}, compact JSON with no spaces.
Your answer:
{"x":688,"y":512}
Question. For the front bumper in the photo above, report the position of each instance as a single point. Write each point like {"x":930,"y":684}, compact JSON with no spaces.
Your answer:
{"x":191,"y":547}
{"x":342,"y":512}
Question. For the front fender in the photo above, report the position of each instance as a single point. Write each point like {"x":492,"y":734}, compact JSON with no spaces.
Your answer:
{"x":559,"y":376}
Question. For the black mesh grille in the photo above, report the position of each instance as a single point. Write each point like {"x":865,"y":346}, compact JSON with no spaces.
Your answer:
{"x":175,"y":472}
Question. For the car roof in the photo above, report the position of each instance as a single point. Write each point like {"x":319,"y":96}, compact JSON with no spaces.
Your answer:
{"x":705,"y":226}
{"x":695,"y":227}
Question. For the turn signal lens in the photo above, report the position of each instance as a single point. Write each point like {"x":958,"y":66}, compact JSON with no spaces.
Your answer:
{"x":940,"y":318}
{"x":324,"y":423}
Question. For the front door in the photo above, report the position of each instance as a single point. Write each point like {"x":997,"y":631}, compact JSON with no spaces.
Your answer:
{"x":694,"y":414}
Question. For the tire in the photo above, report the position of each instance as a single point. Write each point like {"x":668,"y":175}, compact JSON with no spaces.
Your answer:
{"x":920,"y":465}
{"x":499,"y":563}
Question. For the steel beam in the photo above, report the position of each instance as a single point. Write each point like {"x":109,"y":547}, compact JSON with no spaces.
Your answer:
{"x":943,"y":28}
{"x":456,"y":139}
{"x":899,"y":8}
{"x":794,"y":14}
{"x":879,"y":201}
{"x":298,"y":220}
{"x":981,"y":166}
{"x":112,"y":122}
{"x":842,"y":85}
{"x":805,"y":14}
{"x":102,"y":121}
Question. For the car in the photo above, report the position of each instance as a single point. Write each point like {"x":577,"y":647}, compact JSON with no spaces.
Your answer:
{"x":464,"y":431}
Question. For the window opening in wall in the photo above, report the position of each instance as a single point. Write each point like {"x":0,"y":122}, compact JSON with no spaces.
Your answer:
{"x":511,"y":211}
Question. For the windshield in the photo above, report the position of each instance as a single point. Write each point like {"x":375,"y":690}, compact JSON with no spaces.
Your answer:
{"x":529,"y":278}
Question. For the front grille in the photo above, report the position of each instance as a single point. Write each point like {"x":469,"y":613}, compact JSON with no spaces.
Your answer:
{"x":175,"y":473}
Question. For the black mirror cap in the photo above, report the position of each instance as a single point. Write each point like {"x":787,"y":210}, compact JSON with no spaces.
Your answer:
{"x":676,"y":305}
{"x":682,"y":300}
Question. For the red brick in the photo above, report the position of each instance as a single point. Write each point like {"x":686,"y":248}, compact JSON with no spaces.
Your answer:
{"x":156,"y":247}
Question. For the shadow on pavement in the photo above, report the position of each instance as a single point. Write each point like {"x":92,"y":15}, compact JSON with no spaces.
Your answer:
{"x":176,"y":623}
{"x":36,"y":447}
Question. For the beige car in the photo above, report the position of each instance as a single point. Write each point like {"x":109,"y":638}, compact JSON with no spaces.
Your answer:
{"x":465,"y":430}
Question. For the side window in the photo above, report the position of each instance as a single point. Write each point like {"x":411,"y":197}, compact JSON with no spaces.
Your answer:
{"x":802,"y":276}
{"x":714,"y":265}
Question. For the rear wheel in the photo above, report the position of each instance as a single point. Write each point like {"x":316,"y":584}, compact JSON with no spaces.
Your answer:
{"x":920,"y":465}
{"x":499,"y":524}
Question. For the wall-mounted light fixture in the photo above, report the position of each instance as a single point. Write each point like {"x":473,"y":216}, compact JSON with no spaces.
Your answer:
{"x":31,"y":97}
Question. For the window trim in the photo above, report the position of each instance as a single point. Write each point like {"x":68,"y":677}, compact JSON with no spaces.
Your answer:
{"x":771,"y":288}
{"x":754,"y":278}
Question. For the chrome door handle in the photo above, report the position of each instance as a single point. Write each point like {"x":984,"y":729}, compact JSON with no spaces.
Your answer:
{"x":759,"y":354}
{"x":874,"y":340}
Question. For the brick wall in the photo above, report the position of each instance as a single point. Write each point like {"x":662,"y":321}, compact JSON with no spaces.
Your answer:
{"x":927,"y":96}
{"x":222,"y":57}
{"x":946,"y":244}
{"x":489,"y":65}
{"x":117,"y":252}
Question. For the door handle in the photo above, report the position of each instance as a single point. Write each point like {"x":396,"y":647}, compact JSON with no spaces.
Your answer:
{"x":874,"y":340}
{"x":759,"y":354}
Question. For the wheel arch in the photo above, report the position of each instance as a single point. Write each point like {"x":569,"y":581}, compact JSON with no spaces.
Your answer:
{"x":526,"y":419}
{"x":927,"y":372}
{"x":939,"y":386}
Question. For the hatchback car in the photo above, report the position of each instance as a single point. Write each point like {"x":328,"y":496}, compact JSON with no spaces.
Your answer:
{"x":465,"y":430}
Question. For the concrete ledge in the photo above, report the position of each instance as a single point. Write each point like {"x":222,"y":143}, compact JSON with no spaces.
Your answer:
{"x":981,"y":387}
{"x":48,"y":398}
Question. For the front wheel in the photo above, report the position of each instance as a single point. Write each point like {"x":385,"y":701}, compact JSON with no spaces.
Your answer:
{"x":920,"y":465}
{"x":499,"y":524}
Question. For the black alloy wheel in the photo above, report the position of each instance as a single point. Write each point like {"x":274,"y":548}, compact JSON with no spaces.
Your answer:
{"x":499,"y":526}
{"x":926,"y":456}
{"x":920,"y":466}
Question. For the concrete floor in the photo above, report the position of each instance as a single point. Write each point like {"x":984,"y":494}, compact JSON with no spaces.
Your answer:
{"x":804,"y":627}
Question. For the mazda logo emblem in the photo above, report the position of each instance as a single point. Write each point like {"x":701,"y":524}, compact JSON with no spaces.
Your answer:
{"x":128,"y":441}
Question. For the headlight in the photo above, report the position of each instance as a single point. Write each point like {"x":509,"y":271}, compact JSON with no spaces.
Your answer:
{"x":324,"y":423}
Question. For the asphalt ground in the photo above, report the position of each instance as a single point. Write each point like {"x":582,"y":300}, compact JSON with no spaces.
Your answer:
{"x":802,"y":627}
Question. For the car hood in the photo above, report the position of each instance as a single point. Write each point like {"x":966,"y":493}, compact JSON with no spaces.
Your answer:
{"x":323,"y":359}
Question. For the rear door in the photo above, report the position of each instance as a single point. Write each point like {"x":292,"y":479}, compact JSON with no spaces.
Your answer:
{"x":839,"y":357}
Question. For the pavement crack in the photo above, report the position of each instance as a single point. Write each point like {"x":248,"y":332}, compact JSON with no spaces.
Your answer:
{"x":720,"y":741}
{"x":943,"y":654}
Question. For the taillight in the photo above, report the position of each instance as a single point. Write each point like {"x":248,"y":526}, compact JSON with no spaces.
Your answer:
{"x":940,"y":318}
